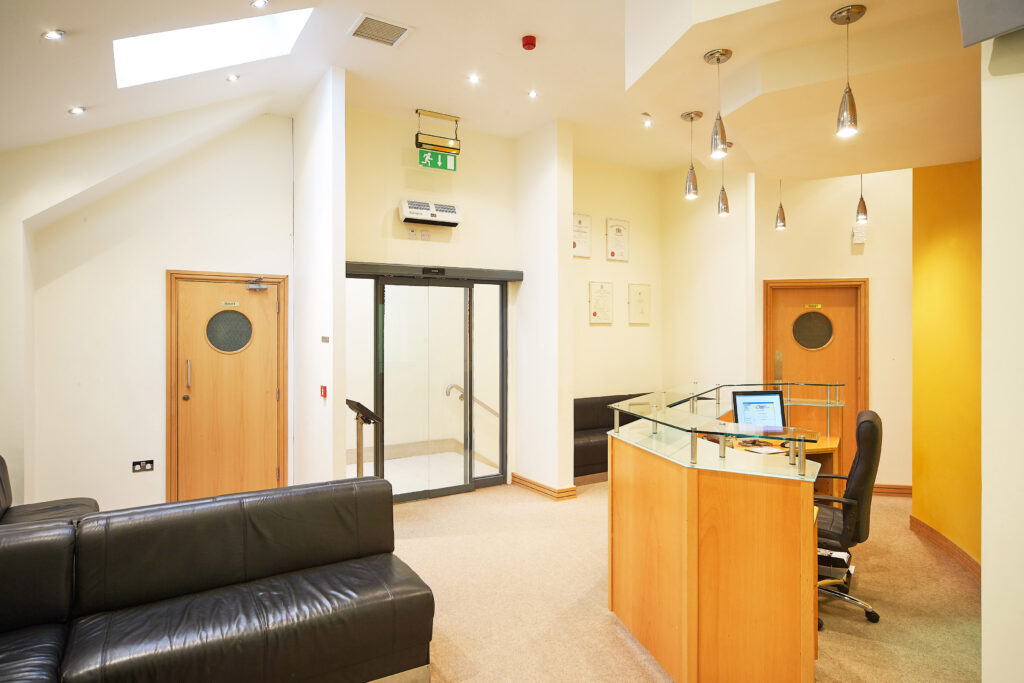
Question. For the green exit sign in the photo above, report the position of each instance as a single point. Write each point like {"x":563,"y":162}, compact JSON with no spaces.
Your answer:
{"x":437,"y":160}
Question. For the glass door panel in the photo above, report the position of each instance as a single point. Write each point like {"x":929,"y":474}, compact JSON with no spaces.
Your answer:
{"x":424,"y":374}
{"x":487,"y":383}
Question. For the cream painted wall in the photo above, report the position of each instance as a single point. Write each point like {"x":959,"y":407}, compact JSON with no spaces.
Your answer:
{"x":100,"y":303}
{"x":40,"y":183}
{"x":707,"y":266}
{"x":817,"y":245}
{"x":543,"y":326}
{"x":618,"y":358}
{"x":315,"y":137}
{"x":1002,"y":364}
{"x":384,"y":169}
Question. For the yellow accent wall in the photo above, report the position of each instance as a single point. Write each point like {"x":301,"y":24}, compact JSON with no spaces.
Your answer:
{"x":947,"y":352}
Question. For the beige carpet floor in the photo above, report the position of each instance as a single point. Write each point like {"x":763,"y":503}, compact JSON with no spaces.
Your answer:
{"x":521,"y":589}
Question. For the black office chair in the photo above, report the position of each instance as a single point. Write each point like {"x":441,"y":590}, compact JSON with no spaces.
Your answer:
{"x":840,"y":529}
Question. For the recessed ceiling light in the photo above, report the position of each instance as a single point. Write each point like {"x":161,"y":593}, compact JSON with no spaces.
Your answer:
{"x":231,"y":78}
{"x":76,"y":111}
{"x":474,"y":79}
{"x":259,"y":4}
{"x":533,"y":94}
{"x":55,"y":34}
{"x":646,"y":118}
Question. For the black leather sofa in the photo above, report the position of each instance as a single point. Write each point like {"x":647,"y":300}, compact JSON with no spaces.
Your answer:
{"x":293,"y":584}
{"x":66,"y":510}
{"x":592,"y":418}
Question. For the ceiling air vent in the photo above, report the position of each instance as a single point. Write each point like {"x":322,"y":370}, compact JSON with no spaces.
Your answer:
{"x":379,"y":31}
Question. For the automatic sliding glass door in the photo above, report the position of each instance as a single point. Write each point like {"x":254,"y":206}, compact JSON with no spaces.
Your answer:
{"x":426,"y":436}
{"x":429,"y":356}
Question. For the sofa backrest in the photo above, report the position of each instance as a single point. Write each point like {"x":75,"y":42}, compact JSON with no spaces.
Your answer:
{"x":36,"y":563}
{"x":6,"y":494}
{"x":140,"y":555}
{"x":593,"y":412}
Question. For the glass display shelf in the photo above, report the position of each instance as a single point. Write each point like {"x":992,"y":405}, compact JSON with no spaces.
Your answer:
{"x":679,"y":447}
{"x":677,"y":418}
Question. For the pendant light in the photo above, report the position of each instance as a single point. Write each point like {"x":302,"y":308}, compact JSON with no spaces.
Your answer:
{"x":862,"y":208}
{"x":723,"y":198}
{"x":846,"y":121}
{"x":691,"y":175}
{"x":719,"y":143}
{"x":780,"y":215}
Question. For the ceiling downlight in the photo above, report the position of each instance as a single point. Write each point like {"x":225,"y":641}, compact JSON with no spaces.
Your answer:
{"x":379,"y":30}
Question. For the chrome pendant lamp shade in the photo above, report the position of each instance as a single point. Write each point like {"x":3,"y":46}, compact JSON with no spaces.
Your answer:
{"x":723,"y":202}
{"x":691,"y":184}
{"x":691,"y":175}
{"x":723,"y":198}
{"x":862,"y":207}
{"x":846,"y":121}
{"x":719,"y":141}
{"x":780,"y":215}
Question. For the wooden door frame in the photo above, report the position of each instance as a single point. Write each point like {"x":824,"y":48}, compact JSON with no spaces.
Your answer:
{"x":175,"y":276}
{"x":861,"y":287}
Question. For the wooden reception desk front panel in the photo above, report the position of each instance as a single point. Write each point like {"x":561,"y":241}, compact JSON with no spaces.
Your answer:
{"x":714,"y":572}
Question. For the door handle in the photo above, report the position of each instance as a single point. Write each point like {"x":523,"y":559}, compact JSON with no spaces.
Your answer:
{"x":188,"y":374}
{"x":184,"y":397}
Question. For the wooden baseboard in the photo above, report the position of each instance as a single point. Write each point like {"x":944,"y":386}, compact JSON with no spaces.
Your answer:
{"x":557,"y":494}
{"x":595,"y":478}
{"x":892,"y":490}
{"x":947,"y":546}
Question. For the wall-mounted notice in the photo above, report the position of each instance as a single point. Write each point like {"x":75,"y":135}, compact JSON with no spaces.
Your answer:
{"x":581,"y":235}
{"x":617,"y":240}
{"x":639,"y":304}
{"x":601,"y":303}
{"x":860,"y":233}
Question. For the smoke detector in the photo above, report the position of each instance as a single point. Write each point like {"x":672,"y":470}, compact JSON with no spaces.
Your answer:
{"x":379,"y":30}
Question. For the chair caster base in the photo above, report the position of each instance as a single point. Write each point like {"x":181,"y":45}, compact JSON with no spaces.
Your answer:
{"x":872,"y":616}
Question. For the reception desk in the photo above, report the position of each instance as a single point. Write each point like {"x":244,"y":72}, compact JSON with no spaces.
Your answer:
{"x":712,"y":551}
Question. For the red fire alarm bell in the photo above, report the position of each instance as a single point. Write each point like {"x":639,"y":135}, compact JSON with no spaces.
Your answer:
{"x":323,"y":391}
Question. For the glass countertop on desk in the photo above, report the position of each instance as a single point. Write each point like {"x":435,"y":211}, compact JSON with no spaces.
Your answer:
{"x":700,"y":413}
{"x":674,"y":445}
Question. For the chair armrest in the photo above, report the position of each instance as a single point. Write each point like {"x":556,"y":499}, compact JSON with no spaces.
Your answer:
{"x":834,"y":499}
{"x":832,"y":476}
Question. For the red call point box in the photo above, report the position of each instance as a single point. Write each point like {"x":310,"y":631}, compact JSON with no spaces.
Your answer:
{"x":323,"y":391}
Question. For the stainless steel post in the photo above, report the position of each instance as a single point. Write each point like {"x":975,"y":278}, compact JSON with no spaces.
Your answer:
{"x":616,"y":421}
{"x":803,"y":458}
{"x":359,"y":446}
{"x":721,"y":446}
{"x":792,"y":452}
{"x":718,"y":396}
{"x":828,"y":410}
{"x":693,"y":404}
{"x":693,"y":448}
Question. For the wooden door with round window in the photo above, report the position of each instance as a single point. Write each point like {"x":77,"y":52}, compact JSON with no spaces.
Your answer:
{"x":816,"y":331}
{"x":226,"y":376}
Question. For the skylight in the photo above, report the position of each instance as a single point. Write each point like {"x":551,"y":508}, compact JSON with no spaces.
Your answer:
{"x":170,"y":54}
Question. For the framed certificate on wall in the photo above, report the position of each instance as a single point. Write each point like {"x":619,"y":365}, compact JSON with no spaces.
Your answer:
{"x":601,"y":303}
{"x":639,"y":304}
{"x":581,"y":235}
{"x":617,"y":242}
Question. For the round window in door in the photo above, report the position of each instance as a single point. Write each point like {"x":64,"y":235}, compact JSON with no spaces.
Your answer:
{"x":229,"y":331}
{"x":812,"y":330}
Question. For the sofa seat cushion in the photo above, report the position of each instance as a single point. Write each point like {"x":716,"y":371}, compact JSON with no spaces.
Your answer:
{"x":830,"y":527}
{"x":591,"y":446}
{"x":296,"y":626}
{"x":65,"y":510}
{"x":32,"y":654}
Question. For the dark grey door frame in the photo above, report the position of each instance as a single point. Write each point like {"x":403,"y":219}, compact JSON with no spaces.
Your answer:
{"x":385,"y":274}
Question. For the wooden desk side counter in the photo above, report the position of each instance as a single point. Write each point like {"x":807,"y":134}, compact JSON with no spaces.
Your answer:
{"x":714,"y":572}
